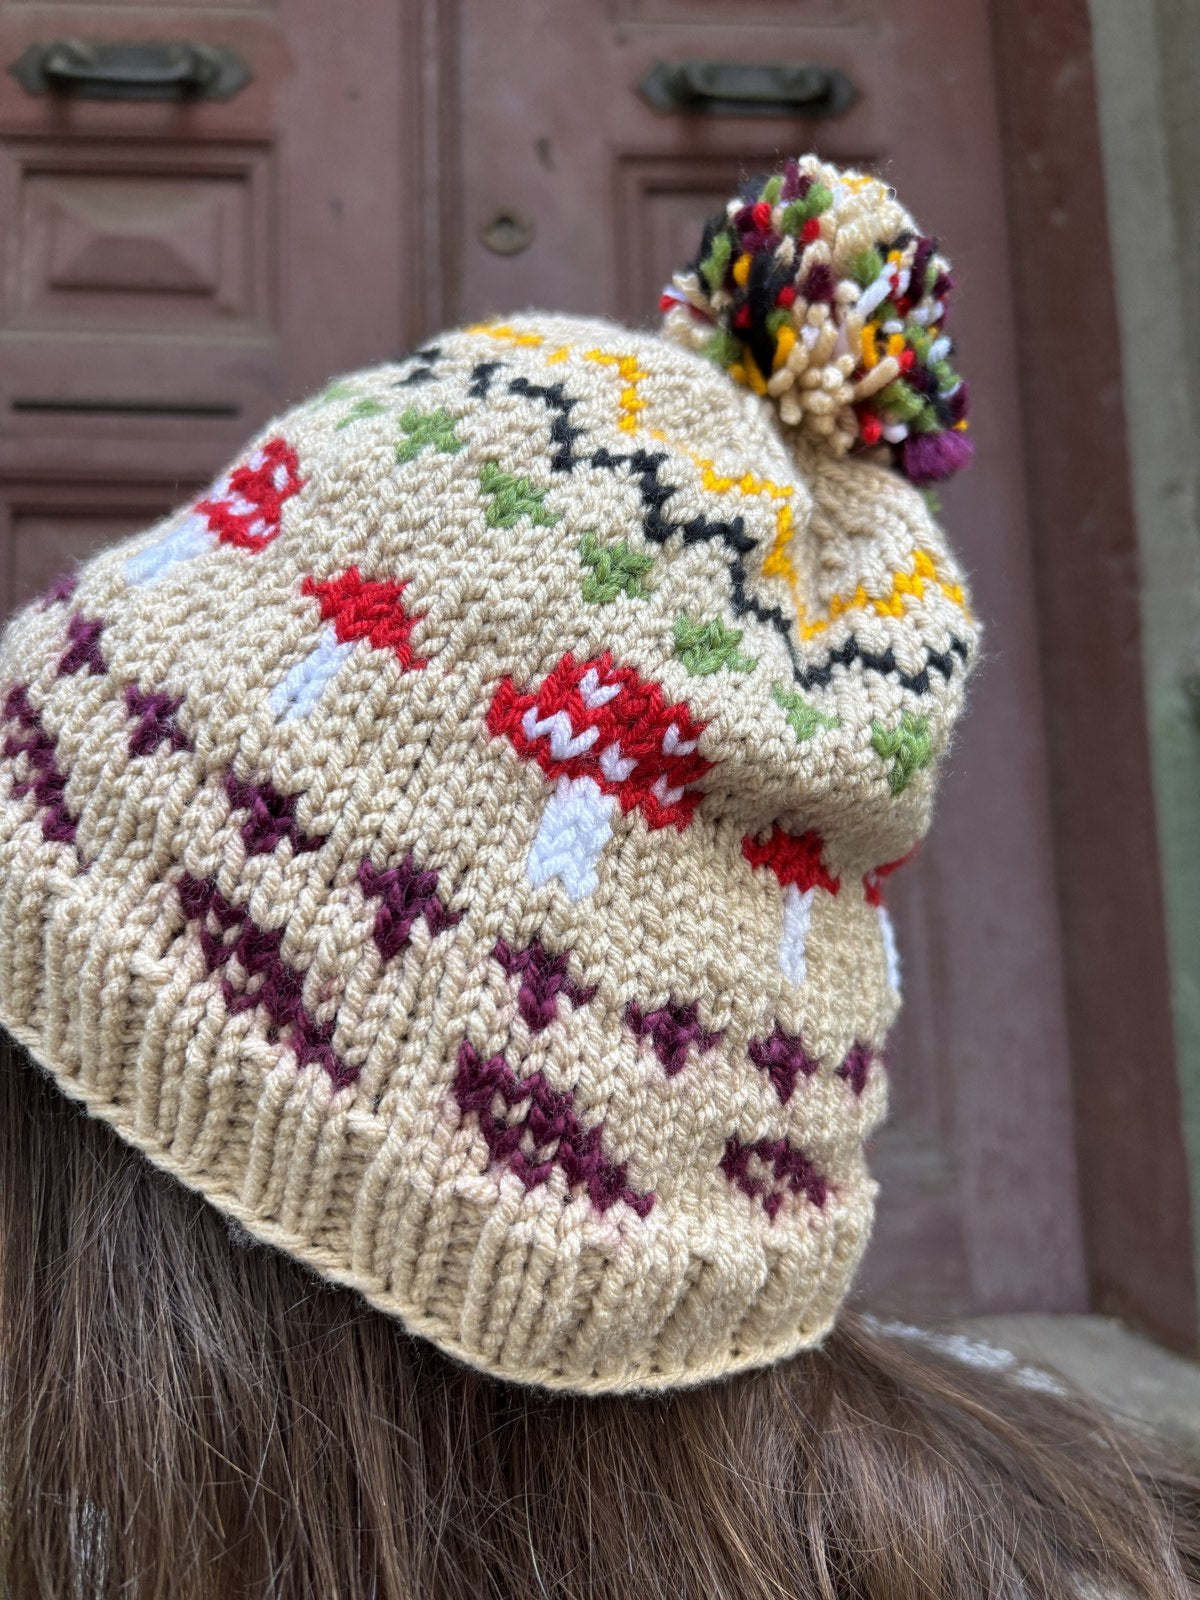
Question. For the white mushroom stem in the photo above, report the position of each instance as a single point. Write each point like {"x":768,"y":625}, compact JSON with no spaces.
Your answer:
{"x":299,"y":691}
{"x":191,"y":538}
{"x":891,"y":953}
{"x":797,"y":915}
{"x":575,"y":827}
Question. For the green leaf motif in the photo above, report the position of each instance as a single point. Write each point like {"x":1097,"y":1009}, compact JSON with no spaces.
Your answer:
{"x":615,"y":569}
{"x":424,"y":428}
{"x":803,"y":718}
{"x":706,"y":647}
{"x":338,"y":390}
{"x":908,"y":747}
{"x":512,"y":499}
{"x":366,"y":407}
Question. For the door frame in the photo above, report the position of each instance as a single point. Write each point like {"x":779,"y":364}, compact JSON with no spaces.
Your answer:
{"x":1132,"y":1163}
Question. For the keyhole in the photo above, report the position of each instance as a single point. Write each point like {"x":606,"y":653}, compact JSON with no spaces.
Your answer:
{"x":507,"y":233}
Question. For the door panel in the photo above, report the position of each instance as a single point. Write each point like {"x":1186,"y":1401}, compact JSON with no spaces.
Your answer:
{"x":173,"y":274}
{"x":158,"y":241}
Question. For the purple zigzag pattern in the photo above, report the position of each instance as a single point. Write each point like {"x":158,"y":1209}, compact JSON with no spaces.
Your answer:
{"x":790,"y":1172}
{"x":406,"y":893}
{"x":543,"y":978}
{"x":672,"y":1029}
{"x":544,"y":1134}
{"x":270,"y":817}
{"x":61,"y":590}
{"x":83,"y":650}
{"x":784,"y":1059}
{"x":156,"y":713}
{"x":46,"y":781}
{"x":856,"y":1067}
{"x":228,"y":933}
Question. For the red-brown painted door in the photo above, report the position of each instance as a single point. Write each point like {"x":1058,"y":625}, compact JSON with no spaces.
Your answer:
{"x":172,"y":275}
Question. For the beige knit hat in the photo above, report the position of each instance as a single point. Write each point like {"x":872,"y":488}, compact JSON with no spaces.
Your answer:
{"x":455,"y":844}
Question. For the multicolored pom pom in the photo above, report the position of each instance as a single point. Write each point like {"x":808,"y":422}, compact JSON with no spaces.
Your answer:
{"x":816,"y":288}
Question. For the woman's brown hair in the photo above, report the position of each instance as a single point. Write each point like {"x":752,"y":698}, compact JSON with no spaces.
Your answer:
{"x":185,"y":1414}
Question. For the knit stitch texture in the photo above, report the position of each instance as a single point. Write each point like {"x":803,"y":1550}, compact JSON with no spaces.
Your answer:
{"x":455,"y":846}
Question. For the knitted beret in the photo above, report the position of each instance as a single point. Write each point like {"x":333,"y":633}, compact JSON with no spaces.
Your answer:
{"x":456,"y":845}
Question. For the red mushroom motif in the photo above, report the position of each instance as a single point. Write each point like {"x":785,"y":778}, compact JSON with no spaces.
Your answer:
{"x":353,"y":608}
{"x":606,"y":738}
{"x":244,"y":508}
{"x":797,"y":860}
{"x":873,"y":891}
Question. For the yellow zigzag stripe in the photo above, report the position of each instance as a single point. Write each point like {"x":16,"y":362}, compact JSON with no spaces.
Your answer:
{"x":747,"y":484}
{"x":906,"y":586}
{"x":505,"y":332}
{"x":628,"y":367}
{"x":778,"y":564}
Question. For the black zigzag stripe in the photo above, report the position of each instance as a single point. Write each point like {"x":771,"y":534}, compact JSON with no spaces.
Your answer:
{"x":644,"y":468}
{"x":562,"y":433}
{"x":482,"y":374}
{"x":430,"y":355}
{"x":940,"y":661}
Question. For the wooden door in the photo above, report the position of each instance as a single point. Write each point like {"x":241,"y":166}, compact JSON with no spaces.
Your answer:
{"x":171,"y":275}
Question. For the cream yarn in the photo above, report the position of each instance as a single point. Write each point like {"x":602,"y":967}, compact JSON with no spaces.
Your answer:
{"x":456,"y":846}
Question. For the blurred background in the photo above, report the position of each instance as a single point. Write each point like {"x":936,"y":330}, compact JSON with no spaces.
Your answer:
{"x":208,"y":209}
